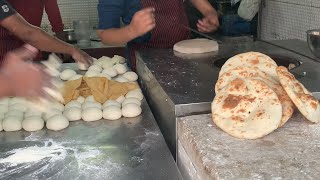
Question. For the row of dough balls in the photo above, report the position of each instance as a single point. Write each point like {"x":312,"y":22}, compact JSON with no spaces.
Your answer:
{"x":14,"y":115}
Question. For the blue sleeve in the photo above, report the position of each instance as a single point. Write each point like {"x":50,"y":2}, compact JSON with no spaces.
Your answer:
{"x":110,"y":12}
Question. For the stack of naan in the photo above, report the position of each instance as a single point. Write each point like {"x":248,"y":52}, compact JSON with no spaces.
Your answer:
{"x":255,"y":97}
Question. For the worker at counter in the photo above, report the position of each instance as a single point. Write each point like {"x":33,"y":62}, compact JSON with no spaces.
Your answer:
{"x":12,"y":23}
{"x":166,"y":19}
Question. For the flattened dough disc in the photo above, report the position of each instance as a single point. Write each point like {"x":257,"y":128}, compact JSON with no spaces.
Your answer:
{"x":196,"y":46}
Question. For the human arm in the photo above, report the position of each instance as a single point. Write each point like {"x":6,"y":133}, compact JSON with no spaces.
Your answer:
{"x":210,"y":22}
{"x":110,"y":31}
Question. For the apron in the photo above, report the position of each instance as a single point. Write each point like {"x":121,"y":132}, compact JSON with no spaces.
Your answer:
{"x":168,"y":15}
{"x":8,"y":42}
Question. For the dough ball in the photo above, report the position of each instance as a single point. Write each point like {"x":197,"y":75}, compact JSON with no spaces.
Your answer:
{"x":17,"y":100}
{"x":73,"y":103}
{"x":21,"y":107}
{"x":110,"y":71}
{"x":92,"y":114}
{"x":131,"y":76}
{"x":67,"y":74}
{"x":120,"y":99}
{"x":121,"y":79}
{"x":92,"y":73}
{"x":118,"y":59}
{"x":90,"y":98}
{"x":131,"y":110}
{"x":135,"y":94}
{"x":112,"y":113}
{"x":58,"y":106}
{"x":33,"y":123}
{"x":4,"y":101}
{"x":1,"y":128}
{"x":82,"y":66}
{"x":76,"y":77}
{"x":4,"y":108}
{"x":15,"y":113}
{"x":131,"y":100}
{"x":57,"y":122}
{"x":95,"y":68}
{"x":81,"y":99}
{"x":73,"y":114}
{"x":89,"y":104}
{"x":104,"y":75}
{"x":111,"y":103}
{"x":51,"y":113}
{"x":32,"y":113}
{"x":120,"y":68}
{"x":11,"y":123}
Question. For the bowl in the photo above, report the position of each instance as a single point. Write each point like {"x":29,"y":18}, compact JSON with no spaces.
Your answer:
{"x":69,"y":36}
{"x":313,"y":37}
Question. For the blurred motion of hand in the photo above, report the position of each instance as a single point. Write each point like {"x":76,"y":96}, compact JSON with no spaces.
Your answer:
{"x":209,"y":23}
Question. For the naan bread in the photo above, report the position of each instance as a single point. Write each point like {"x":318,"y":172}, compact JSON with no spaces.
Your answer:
{"x":195,"y":46}
{"x":301,"y":97}
{"x":244,"y":72}
{"x":247,"y":108}
{"x":251,"y":59}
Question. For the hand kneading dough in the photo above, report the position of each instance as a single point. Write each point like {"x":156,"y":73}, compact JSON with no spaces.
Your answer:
{"x":33,"y":123}
{"x":131,"y":110}
{"x":131,"y":76}
{"x":92,"y":114}
{"x":73,"y":103}
{"x":131,"y":100}
{"x":135,"y":94}
{"x":112,"y":113}
{"x":11,"y":124}
{"x":89,"y":104}
{"x":57,"y":122}
{"x":110,"y":71}
{"x":73,"y":114}
{"x":111,"y":103}
{"x":120,"y":68}
{"x":67,"y":74}
{"x":120,"y":99}
{"x":200,"y":45}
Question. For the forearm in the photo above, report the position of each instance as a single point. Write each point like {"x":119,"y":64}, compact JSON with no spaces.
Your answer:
{"x":116,"y":36}
{"x":5,"y":89}
{"x":203,"y":6}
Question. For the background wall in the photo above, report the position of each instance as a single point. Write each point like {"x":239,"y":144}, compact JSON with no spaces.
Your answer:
{"x":289,"y":19}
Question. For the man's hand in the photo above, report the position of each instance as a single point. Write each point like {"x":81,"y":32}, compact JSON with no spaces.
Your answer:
{"x":209,"y":23}
{"x":82,"y":58}
{"x":142,"y":22}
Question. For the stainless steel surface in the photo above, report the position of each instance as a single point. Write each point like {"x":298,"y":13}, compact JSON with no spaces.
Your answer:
{"x":201,"y":34}
{"x":313,"y":39}
{"x":177,"y":87}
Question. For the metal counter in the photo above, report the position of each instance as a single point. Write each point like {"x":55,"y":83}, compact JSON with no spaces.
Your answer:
{"x":129,"y":148}
{"x":177,"y":86}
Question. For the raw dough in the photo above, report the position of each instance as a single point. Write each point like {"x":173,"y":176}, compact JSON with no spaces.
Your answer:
{"x":33,"y":113}
{"x":131,"y":110}
{"x":120,"y":68}
{"x":131,"y":76}
{"x":120,"y":99}
{"x":131,"y":100}
{"x":58,"y":106}
{"x":92,"y":73}
{"x":82,"y":66}
{"x":81,"y":99}
{"x":135,"y":94}
{"x":18,"y":106}
{"x":15,"y":113}
{"x":192,"y":46}
{"x":4,"y":101}
{"x":118,"y":59}
{"x":73,"y":103}
{"x":11,"y":123}
{"x":51,"y":113}
{"x":90,"y":98}
{"x":3,"y":108}
{"x":16,"y":100}
{"x":105,"y":75}
{"x":73,"y":114}
{"x":75,"y":77}
{"x":92,"y":114}
{"x":111,"y":103}
{"x":110,"y":71}
{"x":112,"y":113}
{"x":89,"y":104}
{"x":67,"y":74}
{"x":121,"y":79}
{"x":33,"y":123}
{"x":95,"y":68}
{"x":57,"y":122}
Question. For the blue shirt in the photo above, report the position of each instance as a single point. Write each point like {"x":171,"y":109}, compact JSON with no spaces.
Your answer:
{"x":111,"y":11}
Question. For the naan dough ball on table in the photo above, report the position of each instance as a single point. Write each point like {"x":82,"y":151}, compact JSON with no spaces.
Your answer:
{"x":120,"y":99}
{"x":131,"y":100}
{"x":67,"y":74}
{"x":73,"y":103}
{"x":135,"y":94}
{"x":110,"y":71}
{"x":195,"y":46}
{"x":131,"y":76}
{"x":92,"y":73}
{"x":18,"y":106}
{"x":11,"y":123}
{"x":57,"y":105}
{"x":32,"y":113}
{"x":111,"y":103}
{"x":92,"y":114}
{"x":51,"y":113}
{"x":95,"y":68}
{"x":101,"y":60}
{"x":89,"y":104}
{"x":57,"y":122}
{"x":112,"y":113}
{"x":118,"y":59}
{"x":131,"y":110}
{"x":121,"y":79}
{"x":2,"y":115}
{"x":15,"y":113}
{"x":73,"y":114}
{"x":4,"y":108}
{"x":90,"y":98}
{"x":33,"y":123}
{"x":17,"y":100}
{"x":75,"y":77}
{"x":4,"y":101}
{"x":120,"y":68}
{"x":81,"y":99}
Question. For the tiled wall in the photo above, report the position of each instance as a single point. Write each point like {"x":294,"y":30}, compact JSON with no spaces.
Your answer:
{"x":74,"y":10}
{"x":289,"y":19}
